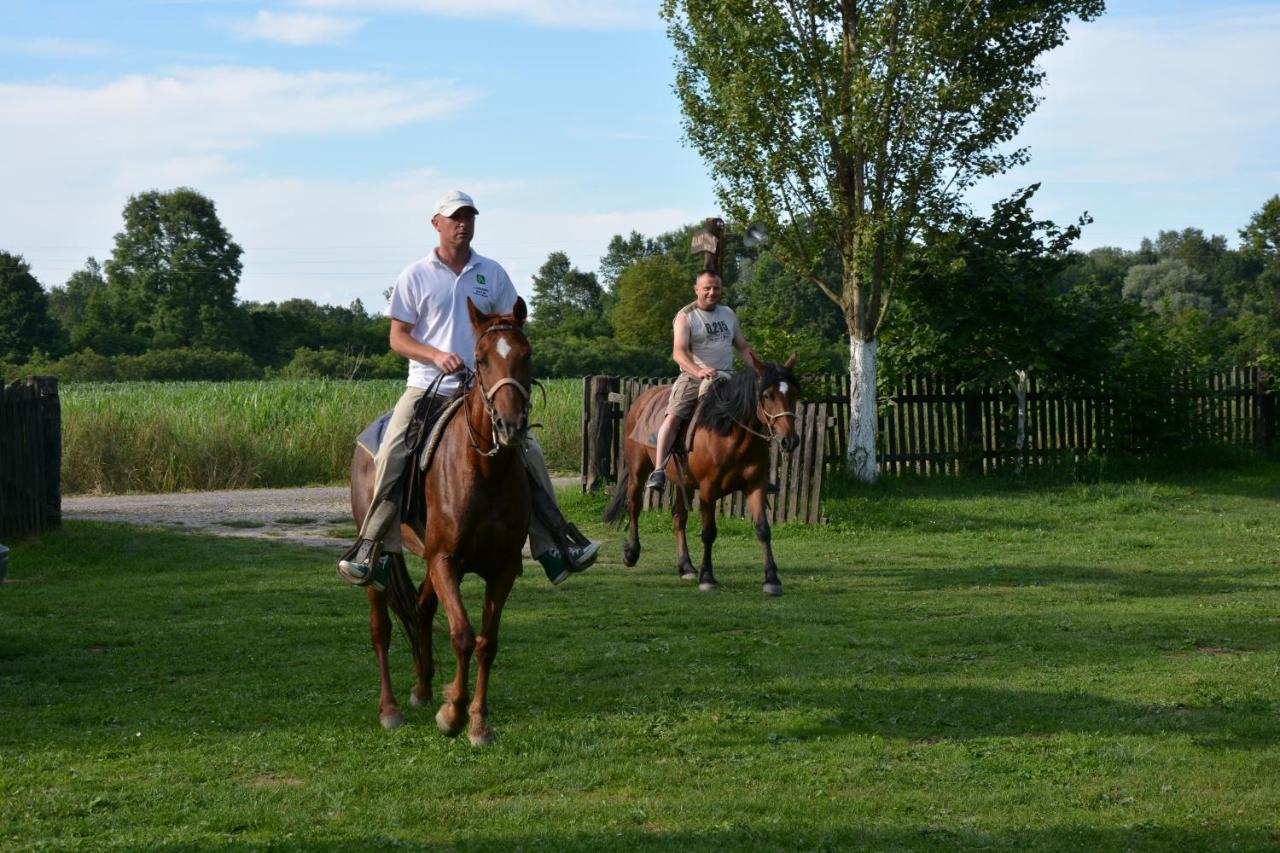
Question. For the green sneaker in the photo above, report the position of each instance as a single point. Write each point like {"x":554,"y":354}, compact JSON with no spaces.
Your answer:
{"x":356,"y":568}
{"x":558,"y":568}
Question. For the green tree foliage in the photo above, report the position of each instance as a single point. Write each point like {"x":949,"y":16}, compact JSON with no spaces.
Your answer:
{"x":173,"y":272}
{"x":855,"y":124}
{"x":1169,"y":287}
{"x":67,"y":303}
{"x":622,"y":252}
{"x":782,"y":313}
{"x":1261,"y":237}
{"x":566,"y":301}
{"x":277,"y":331}
{"x":649,"y":293}
{"x":980,"y":299}
{"x":25,"y":324}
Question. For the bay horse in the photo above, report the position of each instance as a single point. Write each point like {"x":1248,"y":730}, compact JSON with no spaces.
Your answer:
{"x":477,"y":517}
{"x":732,"y":429}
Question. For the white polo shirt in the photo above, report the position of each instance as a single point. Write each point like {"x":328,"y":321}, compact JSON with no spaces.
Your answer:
{"x":428,"y":295}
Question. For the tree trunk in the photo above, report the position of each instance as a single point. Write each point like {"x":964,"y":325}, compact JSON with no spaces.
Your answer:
{"x":1020,"y":385}
{"x":861,"y":458}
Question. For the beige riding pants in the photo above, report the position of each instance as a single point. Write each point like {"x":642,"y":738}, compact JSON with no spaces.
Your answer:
{"x":383,"y":521}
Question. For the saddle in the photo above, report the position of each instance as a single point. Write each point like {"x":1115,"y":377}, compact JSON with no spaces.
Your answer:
{"x":430,"y":415}
{"x":424,"y":434}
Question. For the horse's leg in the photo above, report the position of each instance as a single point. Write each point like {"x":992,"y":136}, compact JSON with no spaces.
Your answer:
{"x":495,"y":596}
{"x":756,"y":503}
{"x":453,"y":710}
{"x":706,"y":580}
{"x":635,"y":501}
{"x":380,"y":632}
{"x":424,"y":663}
{"x":679,"y":522}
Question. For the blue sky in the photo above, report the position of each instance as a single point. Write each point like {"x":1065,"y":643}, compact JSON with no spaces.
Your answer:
{"x":324,"y":129}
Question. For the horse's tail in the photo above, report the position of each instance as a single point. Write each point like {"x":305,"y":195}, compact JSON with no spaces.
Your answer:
{"x":613,"y":512}
{"x":402,"y":595}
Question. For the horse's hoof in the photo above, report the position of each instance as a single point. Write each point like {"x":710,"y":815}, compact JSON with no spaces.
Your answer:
{"x":448,"y":727}
{"x":391,"y":721}
{"x":484,"y":737}
{"x":708,"y":586}
{"x":773,"y":589}
{"x":417,"y":700}
{"x":686,"y":570}
{"x":630,"y":557}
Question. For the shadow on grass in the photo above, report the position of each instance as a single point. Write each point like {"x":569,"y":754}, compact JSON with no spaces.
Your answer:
{"x":1133,"y":583}
{"x":949,"y":713}
{"x":1225,"y":471}
{"x":836,"y":836}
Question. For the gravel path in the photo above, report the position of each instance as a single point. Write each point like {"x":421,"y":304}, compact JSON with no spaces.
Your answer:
{"x":320,"y":516}
{"x":316,"y":516}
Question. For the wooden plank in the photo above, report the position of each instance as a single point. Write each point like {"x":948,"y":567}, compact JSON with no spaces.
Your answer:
{"x":814,"y":516}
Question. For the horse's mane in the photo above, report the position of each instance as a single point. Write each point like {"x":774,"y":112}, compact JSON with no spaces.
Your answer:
{"x":733,"y":400}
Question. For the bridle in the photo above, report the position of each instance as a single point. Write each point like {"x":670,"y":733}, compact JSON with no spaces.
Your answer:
{"x":768,"y":420}
{"x":487,"y":395}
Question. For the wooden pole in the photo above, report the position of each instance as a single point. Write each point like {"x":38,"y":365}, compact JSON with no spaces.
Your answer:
{"x":600,"y":434}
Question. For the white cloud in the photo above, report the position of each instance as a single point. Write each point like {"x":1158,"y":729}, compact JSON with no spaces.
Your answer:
{"x":53,"y":48}
{"x":297,"y":29}
{"x":1155,"y":122}
{"x":144,"y":120}
{"x":83,"y":150}
{"x":335,"y":241}
{"x":576,"y":14}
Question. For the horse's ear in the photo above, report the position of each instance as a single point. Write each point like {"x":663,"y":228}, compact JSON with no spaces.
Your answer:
{"x":520,"y":311}
{"x":477,"y":319}
{"x":790,"y":363}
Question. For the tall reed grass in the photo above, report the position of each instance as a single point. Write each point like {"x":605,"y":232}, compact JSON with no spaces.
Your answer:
{"x":179,"y":436}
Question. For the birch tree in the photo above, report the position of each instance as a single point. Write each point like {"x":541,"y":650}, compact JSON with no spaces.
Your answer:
{"x":850,"y":124}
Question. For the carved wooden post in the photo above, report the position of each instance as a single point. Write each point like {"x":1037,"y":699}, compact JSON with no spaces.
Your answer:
{"x":600,"y":434}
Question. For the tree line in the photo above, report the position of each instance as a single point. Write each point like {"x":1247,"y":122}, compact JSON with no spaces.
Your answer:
{"x":981,"y":297}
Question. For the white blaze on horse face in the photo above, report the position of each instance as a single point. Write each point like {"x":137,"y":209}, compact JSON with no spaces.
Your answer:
{"x":782,"y":388}
{"x":504,"y":348}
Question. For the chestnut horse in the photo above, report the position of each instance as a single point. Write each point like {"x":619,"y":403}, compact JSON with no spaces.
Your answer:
{"x":477,"y":498}
{"x":732,"y":430}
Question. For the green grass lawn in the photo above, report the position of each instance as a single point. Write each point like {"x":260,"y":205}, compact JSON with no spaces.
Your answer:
{"x":956,"y":664}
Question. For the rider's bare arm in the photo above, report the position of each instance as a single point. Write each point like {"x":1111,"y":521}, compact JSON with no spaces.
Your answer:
{"x":403,"y":343}
{"x":744,"y":349}
{"x":682,"y":355}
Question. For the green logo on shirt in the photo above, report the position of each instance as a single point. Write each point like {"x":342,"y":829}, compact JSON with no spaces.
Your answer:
{"x":479,"y":278}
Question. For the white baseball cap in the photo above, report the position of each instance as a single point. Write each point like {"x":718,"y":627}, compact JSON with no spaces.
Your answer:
{"x":451,"y":202}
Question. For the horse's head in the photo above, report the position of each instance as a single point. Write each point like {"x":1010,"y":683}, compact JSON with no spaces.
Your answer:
{"x":779,"y":391}
{"x":502,"y":370}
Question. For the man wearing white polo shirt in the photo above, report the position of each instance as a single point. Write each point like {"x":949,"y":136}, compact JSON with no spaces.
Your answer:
{"x":430,"y":326}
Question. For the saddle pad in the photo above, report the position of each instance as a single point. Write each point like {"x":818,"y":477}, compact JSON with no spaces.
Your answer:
{"x":649,"y":417}
{"x":371,"y":439}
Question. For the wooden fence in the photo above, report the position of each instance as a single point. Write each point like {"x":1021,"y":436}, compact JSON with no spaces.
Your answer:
{"x":30,"y":455}
{"x":799,"y":475}
{"x":932,"y":425}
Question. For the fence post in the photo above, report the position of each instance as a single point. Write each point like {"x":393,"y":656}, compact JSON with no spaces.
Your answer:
{"x":971,"y":434}
{"x":1265,"y":399}
{"x":51,"y":423}
{"x":600,"y":434}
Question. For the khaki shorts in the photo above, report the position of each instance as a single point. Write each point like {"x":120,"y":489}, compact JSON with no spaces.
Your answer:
{"x":685,"y":394}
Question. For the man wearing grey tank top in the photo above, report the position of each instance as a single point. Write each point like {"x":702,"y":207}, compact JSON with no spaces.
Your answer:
{"x":706,"y":334}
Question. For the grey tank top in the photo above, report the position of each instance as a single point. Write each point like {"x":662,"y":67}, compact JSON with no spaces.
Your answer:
{"x":711,"y":335}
